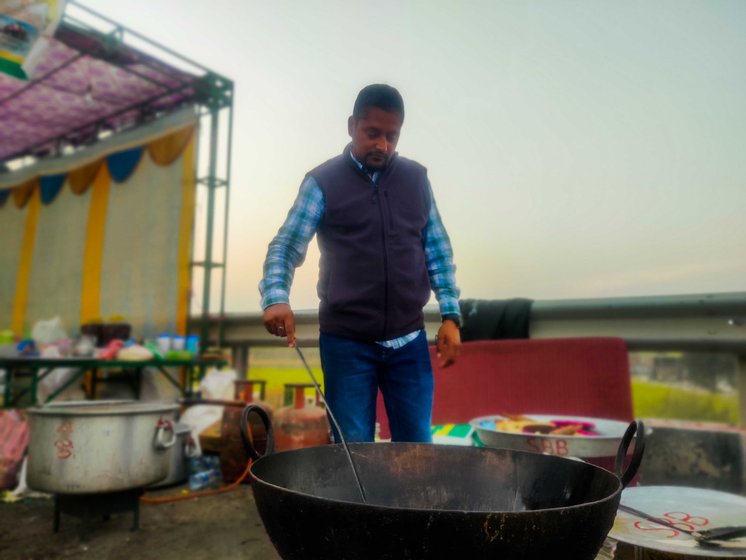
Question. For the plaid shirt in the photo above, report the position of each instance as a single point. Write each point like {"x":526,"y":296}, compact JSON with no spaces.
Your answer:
{"x":287,"y":251}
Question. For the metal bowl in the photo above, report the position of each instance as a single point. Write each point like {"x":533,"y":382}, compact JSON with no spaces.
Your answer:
{"x":604,"y":444}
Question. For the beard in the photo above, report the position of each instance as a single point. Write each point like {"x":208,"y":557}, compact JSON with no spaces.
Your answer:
{"x":376,"y":161}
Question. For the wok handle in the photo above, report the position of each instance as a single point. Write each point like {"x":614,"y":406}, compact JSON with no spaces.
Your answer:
{"x":636,"y":427}
{"x":246,"y":436}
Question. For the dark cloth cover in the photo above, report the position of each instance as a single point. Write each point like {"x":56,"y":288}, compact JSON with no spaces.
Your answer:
{"x":490,"y":319}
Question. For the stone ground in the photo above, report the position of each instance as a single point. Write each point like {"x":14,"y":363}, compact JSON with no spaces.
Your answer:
{"x":225,"y":526}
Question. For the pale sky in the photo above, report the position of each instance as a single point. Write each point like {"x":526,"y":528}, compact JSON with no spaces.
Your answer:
{"x":576,"y":149}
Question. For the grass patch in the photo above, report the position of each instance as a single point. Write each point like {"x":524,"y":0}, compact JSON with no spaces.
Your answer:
{"x":656,"y":400}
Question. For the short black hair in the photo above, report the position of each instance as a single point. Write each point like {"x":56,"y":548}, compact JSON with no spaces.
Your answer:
{"x":382,"y":96}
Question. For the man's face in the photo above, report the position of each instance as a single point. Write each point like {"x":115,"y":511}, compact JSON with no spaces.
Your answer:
{"x":374,"y":136}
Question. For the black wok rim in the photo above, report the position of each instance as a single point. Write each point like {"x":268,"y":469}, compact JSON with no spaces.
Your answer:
{"x":610,"y":498}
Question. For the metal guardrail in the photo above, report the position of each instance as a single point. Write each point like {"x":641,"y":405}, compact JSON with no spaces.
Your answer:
{"x":686,"y":323}
{"x":703,"y":323}
{"x":709,"y":322}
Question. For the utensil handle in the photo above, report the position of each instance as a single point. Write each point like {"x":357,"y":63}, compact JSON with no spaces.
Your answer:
{"x":246,"y":436}
{"x":162,"y":428}
{"x":720,"y":534}
{"x":635,"y":428}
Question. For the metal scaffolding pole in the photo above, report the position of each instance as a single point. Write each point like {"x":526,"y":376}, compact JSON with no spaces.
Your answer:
{"x":221,"y":97}
{"x":221,"y":329}
{"x":208,"y":264}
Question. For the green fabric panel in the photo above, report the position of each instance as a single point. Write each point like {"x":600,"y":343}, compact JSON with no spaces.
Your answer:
{"x":12,"y":69}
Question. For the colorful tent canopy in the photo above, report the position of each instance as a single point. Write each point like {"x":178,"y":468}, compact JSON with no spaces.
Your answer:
{"x":72,"y":154}
{"x":120,"y":164}
{"x":89,"y":82}
{"x":116,"y":242}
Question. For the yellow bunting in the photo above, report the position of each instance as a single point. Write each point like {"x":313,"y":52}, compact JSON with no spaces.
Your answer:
{"x":90,"y":303}
{"x":24,"y":266}
{"x":186,"y":226}
{"x":22,"y":193}
{"x":164,"y":151}
{"x":82,"y":177}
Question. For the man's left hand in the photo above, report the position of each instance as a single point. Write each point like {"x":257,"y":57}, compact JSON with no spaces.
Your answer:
{"x":448,"y":343}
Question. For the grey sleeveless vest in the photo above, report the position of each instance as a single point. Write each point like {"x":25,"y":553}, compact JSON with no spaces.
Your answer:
{"x":373,"y":280}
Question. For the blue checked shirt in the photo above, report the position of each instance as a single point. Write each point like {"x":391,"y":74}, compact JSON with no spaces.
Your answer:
{"x":287,"y":251}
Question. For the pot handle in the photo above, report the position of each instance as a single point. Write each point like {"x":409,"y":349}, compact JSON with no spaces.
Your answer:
{"x":162,"y":427}
{"x":246,"y":436}
{"x":635,"y":427}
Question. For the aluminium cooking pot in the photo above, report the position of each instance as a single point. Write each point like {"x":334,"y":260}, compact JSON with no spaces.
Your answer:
{"x":435,"y":501}
{"x":84,"y":447}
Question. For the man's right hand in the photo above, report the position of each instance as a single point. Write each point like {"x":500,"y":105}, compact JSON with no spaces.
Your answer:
{"x":280,"y":321}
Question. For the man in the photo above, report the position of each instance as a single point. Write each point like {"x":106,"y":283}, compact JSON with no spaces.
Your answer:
{"x":383,"y":247}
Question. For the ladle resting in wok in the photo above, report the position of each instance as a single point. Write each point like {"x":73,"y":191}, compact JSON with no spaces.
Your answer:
{"x":430,"y":501}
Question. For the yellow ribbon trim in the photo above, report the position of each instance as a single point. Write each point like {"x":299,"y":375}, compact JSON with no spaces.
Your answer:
{"x":24,"y":266}
{"x":95,"y":175}
{"x":186,"y":227}
{"x":11,"y":56}
{"x":90,"y":301}
{"x":164,"y":151}
{"x":22,"y":193}
{"x":82,"y":177}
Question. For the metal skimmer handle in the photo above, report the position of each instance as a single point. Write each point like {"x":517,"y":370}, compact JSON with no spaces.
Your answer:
{"x":334,"y":420}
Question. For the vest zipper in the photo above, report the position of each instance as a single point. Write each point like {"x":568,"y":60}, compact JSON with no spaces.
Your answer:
{"x":385,"y":262}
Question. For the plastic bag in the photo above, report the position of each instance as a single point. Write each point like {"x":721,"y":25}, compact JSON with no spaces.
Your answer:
{"x":56,"y":379}
{"x":14,"y":433}
{"x":27,"y":26}
{"x":218,"y":384}
{"x":155,"y":387}
{"x":199,"y":417}
{"x":22,"y":490}
{"x":48,"y":331}
{"x":134,"y":352}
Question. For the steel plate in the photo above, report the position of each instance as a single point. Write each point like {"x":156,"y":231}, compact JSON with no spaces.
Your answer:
{"x":691,"y":509}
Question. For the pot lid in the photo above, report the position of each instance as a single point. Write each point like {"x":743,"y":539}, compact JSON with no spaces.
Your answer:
{"x":104,"y":408}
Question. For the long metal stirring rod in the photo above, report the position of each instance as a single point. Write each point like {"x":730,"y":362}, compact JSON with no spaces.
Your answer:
{"x":334,"y":420}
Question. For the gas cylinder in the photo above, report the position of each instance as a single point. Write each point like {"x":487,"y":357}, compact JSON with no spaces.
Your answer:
{"x":244,"y":389}
{"x":233,"y":456}
{"x":301,"y":424}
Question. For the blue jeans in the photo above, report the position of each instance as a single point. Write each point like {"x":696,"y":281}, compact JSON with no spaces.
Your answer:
{"x":353,"y":373}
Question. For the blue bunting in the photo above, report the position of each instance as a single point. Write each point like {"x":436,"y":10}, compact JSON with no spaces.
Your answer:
{"x":51,"y":186}
{"x":122,"y":164}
